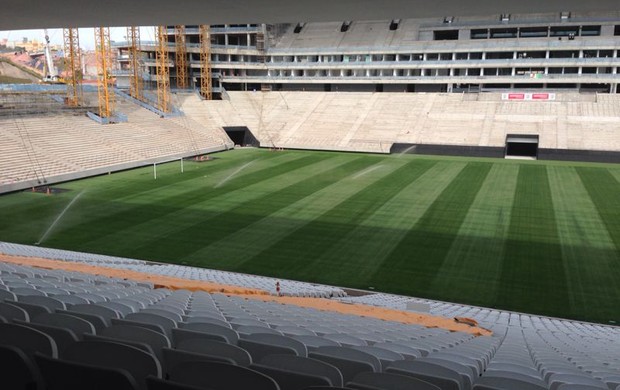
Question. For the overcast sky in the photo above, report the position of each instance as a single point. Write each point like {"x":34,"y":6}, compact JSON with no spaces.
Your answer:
{"x":87,"y":35}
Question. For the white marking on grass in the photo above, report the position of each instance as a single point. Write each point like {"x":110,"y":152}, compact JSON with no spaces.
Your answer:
{"x":62,"y":213}
{"x":221,"y":183}
{"x":367,"y":170}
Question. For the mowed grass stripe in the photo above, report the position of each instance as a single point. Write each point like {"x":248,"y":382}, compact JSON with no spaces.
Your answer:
{"x":421,"y":252}
{"x":243,"y":244}
{"x":168,"y":225}
{"x":533,"y":278}
{"x":113,"y":217}
{"x":590,"y":256}
{"x":209,"y":174}
{"x":315,"y":245}
{"x":188,"y":242}
{"x":604,"y":190}
{"x":475,"y":256}
{"x":358,"y":256}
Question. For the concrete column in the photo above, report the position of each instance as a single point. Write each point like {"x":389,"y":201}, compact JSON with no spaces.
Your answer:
{"x":248,"y":40}
{"x":613,"y":88}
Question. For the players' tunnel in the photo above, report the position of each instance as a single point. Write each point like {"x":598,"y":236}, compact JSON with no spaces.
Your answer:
{"x":241,"y":135}
{"x":522,"y":146}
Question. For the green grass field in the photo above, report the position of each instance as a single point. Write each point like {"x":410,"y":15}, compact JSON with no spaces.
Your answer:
{"x":538,"y":237}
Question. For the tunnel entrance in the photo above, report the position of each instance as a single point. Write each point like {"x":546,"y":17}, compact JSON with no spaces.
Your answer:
{"x":520,"y":146}
{"x":241,"y":136}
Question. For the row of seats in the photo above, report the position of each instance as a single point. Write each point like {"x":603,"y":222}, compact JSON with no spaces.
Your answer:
{"x":294,"y":347}
{"x":288,"y":287}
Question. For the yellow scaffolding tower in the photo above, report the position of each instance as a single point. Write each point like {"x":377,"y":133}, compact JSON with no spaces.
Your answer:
{"x":104,"y":68}
{"x":163,"y":72}
{"x":73,"y":66}
{"x":135,"y":80}
{"x":181,"y":56}
{"x":206,"y":88}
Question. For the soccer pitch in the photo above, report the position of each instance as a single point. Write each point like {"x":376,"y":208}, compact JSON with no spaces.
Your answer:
{"x":537,"y":237}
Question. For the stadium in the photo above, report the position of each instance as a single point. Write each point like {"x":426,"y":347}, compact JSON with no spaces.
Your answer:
{"x":345,"y":195}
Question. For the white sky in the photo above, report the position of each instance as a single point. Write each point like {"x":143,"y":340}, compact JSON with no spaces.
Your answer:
{"x":87,"y":35}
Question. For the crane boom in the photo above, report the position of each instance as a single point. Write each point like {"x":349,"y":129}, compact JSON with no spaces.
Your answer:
{"x":51,"y":73}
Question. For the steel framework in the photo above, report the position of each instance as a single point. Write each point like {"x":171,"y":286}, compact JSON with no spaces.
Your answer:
{"x":104,"y":68}
{"x":163,"y":72}
{"x":73,"y":66}
{"x":206,"y":88}
{"x":181,"y":56}
{"x":135,"y":80}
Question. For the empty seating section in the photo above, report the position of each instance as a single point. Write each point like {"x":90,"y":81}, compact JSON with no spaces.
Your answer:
{"x":288,"y":288}
{"x":56,"y":144}
{"x":138,"y":337}
{"x":372,"y":122}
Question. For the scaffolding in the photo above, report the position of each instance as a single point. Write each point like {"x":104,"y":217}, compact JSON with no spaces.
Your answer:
{"x":73,"y":67}
{"x":181,"y":56}
{"x":135,"y":80}
{"x":104,"y":67}
{"x":206,"y":87}
{"x":163,"y":72}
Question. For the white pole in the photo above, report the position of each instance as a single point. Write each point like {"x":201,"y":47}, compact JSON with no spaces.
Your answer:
{"x":181,"y":164}
{"x":155,"y":171}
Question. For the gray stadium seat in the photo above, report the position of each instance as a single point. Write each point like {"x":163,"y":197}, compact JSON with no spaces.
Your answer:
{"x":48,"y":302}
{"x":200,"y":329}
{"x":70,"y":300}
{"x":259,"y":350}
{"x":27,"y":339}
{"x":137,"y":363}
{"x":221,"y":376}
{"x":386,"y":381}
{"x":216,"y":349}
{"x":556,"y":380}
{"x":67,"y":375}
{"x":385,"y":356}
{"x":405,"y":351}
{"x":164,"y":313}
{"x":498,"y":383}
{"x":104,"y":312}
{"x":97,"y":321}
{"x":31,"y":309}
{"x":18,"y":371}
{"x":154,"y":339}
{"x":304,"y":365}
{"x":290,"y":380}
{"x":443,"y":377}
{"x":314,"y":342}
{"x":63,"y":337}
{"x":166,"y":323}
{"x":121,"y":308}
{"x":279,"y":340}
{"x":77,"y":325}
{"x":11,"y":312}
{"x":7,"y":296}
{"x":153,"y":383}
{"x":174,"y":357}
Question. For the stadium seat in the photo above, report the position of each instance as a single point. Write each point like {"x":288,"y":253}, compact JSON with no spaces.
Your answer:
{"x":386,"y":357}
{"x":11,"y":312}
{"x":27,"y":339}
{"x":216,"y":349}
{"x":386,"y":381}
{"x":68,"y":375}
{"x":205,"y":331}
{"x":63,"y":337}
{"x":153,"y":383}
{"x":48,"y":302}
{"x":77,"y":325}
{"x":18,"y":371}
{"x":304,"y":365}
{"x":166,"y":323}
{"x":290,"y":380}
{"x":136,"y":362}
{"x":443,"y":377}
{"x":98,"y":322}
{"x":154,"y":339}
{"x":258,"y":350}
{"x":221,"y":376}
{"x":498,"y":383}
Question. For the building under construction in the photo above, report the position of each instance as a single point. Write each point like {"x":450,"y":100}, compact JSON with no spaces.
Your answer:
{"x":563,"y":51}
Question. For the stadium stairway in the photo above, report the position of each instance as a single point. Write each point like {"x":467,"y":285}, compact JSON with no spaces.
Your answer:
{"x":68,"y":330}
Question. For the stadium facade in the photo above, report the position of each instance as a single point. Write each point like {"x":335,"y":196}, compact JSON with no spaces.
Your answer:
{"x":556,"y":51}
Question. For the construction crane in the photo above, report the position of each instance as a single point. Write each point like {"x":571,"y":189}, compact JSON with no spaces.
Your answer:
{"x":105,"y":91}
{"x":206,"y":88}
{"x":73,"y":64}
{"x":135,"y":79}
{"x":163,"y":72}
{"x":181,"y":56}
{"x":51,"y":73}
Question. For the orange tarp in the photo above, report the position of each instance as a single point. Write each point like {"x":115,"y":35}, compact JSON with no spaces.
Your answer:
{"x":248,"y":293}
